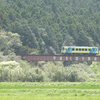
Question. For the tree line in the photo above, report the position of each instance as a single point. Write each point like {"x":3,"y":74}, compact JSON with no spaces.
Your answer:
{"x":52,"y":23}
{"x":43,"y":26}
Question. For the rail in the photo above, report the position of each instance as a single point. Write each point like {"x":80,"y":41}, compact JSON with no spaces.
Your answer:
{"x":59,"y":58}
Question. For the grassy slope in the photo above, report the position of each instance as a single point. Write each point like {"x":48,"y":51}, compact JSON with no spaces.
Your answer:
{"x":48,"y":91}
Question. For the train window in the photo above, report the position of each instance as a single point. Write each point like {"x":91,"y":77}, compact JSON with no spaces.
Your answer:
{"x":89,"y":49}
{"x":85,"y":49}
{"x":82,"y":49}
{"x":79,"y":49}
{"x":73,"y":49}
{"x":76,"y":49}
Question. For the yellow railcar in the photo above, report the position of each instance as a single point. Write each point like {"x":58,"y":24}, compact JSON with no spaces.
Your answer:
{"x":82,"y":50}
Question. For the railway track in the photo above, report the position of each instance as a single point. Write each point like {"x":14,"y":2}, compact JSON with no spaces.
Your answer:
{"x":59,"y":58}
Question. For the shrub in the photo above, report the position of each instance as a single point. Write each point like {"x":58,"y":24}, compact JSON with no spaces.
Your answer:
{"x":10,"y":71}
{"x":33,"y":75}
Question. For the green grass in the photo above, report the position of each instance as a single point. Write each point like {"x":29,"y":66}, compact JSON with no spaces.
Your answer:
{"x":48,"y":98}
{"x":50,"y":91}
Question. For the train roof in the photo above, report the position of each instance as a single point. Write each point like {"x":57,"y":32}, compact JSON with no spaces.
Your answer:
{"x":81,"y":46}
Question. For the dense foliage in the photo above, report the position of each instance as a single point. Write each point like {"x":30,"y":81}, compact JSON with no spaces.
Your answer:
{"x":42,"y":24}
{"x":13,"y":69}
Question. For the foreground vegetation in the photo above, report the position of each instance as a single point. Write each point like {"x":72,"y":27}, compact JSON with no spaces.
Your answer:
{"x":14,"y":69}
{"x":19,"y":70}
{"x":48,"y":98}
{"x":48,"y":91}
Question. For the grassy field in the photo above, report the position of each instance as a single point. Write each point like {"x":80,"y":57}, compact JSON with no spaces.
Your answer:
{"x":50,"y":91}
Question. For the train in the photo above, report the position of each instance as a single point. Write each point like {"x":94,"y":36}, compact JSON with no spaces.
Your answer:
{"x":80,"y":50}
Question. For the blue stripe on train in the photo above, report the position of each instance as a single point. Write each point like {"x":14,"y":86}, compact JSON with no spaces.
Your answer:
{"x":95,"y":50}
{"x":67,"y":50}
{"x":91,"y":50}
{"x":71,"y":49}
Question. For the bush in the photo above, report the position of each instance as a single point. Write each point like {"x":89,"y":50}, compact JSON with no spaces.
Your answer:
{"x":10,"y":71}
{"x":73,"y":73}
{"x":79,"y":72}
{"x":22,"y":71}
{"x":33,"y":75}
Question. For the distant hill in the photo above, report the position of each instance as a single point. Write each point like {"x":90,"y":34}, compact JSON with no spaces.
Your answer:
{"x":42,"y":24}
